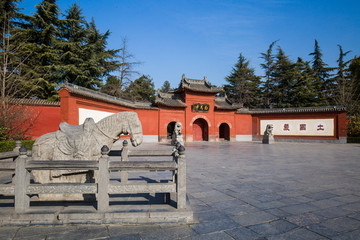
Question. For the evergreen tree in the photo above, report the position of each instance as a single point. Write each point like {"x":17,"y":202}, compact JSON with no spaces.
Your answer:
{"x":354,"y":75}
{"x":342,"y":88}
{"x":243,"y":84}
{"x":354,"y":72}
{"x":165,"y":87}
{"x":142,"y":89}
{"x":322,"y":83}
{"x":73,"y":34}
{"x":41,"y":34}
{"x":85,"y":61}
{"x":283,"y":77}
{"x":100,"y":61}
{"x":112,"y":87}
{"x":303,"y":91}
{"x":268,"y":66}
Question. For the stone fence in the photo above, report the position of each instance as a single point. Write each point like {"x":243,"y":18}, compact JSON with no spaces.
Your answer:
{"x":23,"y":188}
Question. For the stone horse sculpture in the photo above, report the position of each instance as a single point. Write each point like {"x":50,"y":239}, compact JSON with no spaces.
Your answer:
{"x":268,"y":137}
{"x":177,"y":135}
{"x":81,"y":142}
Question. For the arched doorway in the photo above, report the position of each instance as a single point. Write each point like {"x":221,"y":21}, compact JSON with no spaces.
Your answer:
{"x":170,"y":129}
{"x":200,"y":130}
{"x":224,"y":132}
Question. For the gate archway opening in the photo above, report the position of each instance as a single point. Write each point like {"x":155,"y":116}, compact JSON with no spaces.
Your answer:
{"x":200,"y":130}
{"x":224,"y":132}
{"x":170,"y":129}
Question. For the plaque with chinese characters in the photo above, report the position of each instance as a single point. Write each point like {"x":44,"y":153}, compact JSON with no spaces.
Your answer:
{"x":200,"y":107}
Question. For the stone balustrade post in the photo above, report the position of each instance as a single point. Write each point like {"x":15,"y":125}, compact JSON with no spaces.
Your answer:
{"x":17,"y":146}
{"x":22,"y":180}
{"x":124,"y":157}
{"x":103,"y":180}
{"x":181,"y":178}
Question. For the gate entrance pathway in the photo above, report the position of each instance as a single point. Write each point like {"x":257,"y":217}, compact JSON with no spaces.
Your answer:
{"x":249,"y":191}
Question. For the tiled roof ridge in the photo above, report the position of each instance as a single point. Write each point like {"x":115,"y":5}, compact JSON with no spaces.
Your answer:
{"x":225,"y":103}
{"x":105,"y":97}
{"x":292,"y":110}
{"x":172,"y":95}
{"x":30,"y":101}
{"x":169,"y":99}
{"x":198,"y":85}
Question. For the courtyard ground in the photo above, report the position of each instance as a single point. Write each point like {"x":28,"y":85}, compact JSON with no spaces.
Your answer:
{"x":249,"y":190}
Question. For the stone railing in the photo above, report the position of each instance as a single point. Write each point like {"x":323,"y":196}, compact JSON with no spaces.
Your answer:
{"x":13,"y":154}
{"x":22,"y":188}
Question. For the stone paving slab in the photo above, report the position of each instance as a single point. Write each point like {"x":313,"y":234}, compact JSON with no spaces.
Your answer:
{"x":247,"y":191}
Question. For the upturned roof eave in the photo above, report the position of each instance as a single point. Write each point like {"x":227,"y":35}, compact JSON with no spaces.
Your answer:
{"x":217,"y":90}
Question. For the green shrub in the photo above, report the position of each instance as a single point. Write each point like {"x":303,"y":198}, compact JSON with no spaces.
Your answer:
{"x":353,"y":126}
{"x":353,"y":140}
{"x":3,"y":133}
{"x":8,"y":146}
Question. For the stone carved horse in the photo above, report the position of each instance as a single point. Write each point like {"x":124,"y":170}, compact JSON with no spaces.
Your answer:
{"x":82,"y":142}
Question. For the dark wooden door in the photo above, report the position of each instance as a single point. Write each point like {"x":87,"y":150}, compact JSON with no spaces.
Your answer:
{"x":224,"y":131}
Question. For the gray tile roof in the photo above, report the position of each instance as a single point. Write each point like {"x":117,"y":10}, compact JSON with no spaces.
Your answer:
{"x":169,"y":99}
{"x":106,"y":98}
{"x":225,"y":104}
{"x":293,"y":110}
{"x":198,"y":85}
{"x":37,"y":102}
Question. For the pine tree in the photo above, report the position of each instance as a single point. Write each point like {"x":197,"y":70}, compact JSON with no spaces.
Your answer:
{"x":341,"y":79}
{"x":322,"y":83}
{"x":243,"y":84}
{"x":73,"y":35}
{"x":303,"y":91}
{"x":346,"y":88}
{"x":85,"y":60}
{"x":283,"y":78}
{"x":268,"y":66}
{"x":100,"y":61}
{"x":112,"y":87}
{"x":41,"y":34}
{"x":354,"y":72}
{"x":354,"y":75}
{"x":142,"y":89}
{"x":165,"y":87}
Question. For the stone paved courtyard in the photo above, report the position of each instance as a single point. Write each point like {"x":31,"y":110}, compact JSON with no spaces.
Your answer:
{"x":249,"y":191}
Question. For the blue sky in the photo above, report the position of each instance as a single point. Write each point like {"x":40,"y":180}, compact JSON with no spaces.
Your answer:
{"x":205,"y":38}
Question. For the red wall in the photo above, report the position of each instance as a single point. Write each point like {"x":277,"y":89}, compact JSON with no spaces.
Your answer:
{"x":46,"y":119}
{"x":190,"y":117}
{"x":155,"y":120}
{"x":168,"y":115}
{"x":227,"y":117}
{"x":243,"y":124}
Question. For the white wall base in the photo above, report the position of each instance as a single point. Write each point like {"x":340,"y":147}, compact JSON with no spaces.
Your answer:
{"x":243,"y":138}
{"x":150,"y":138}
